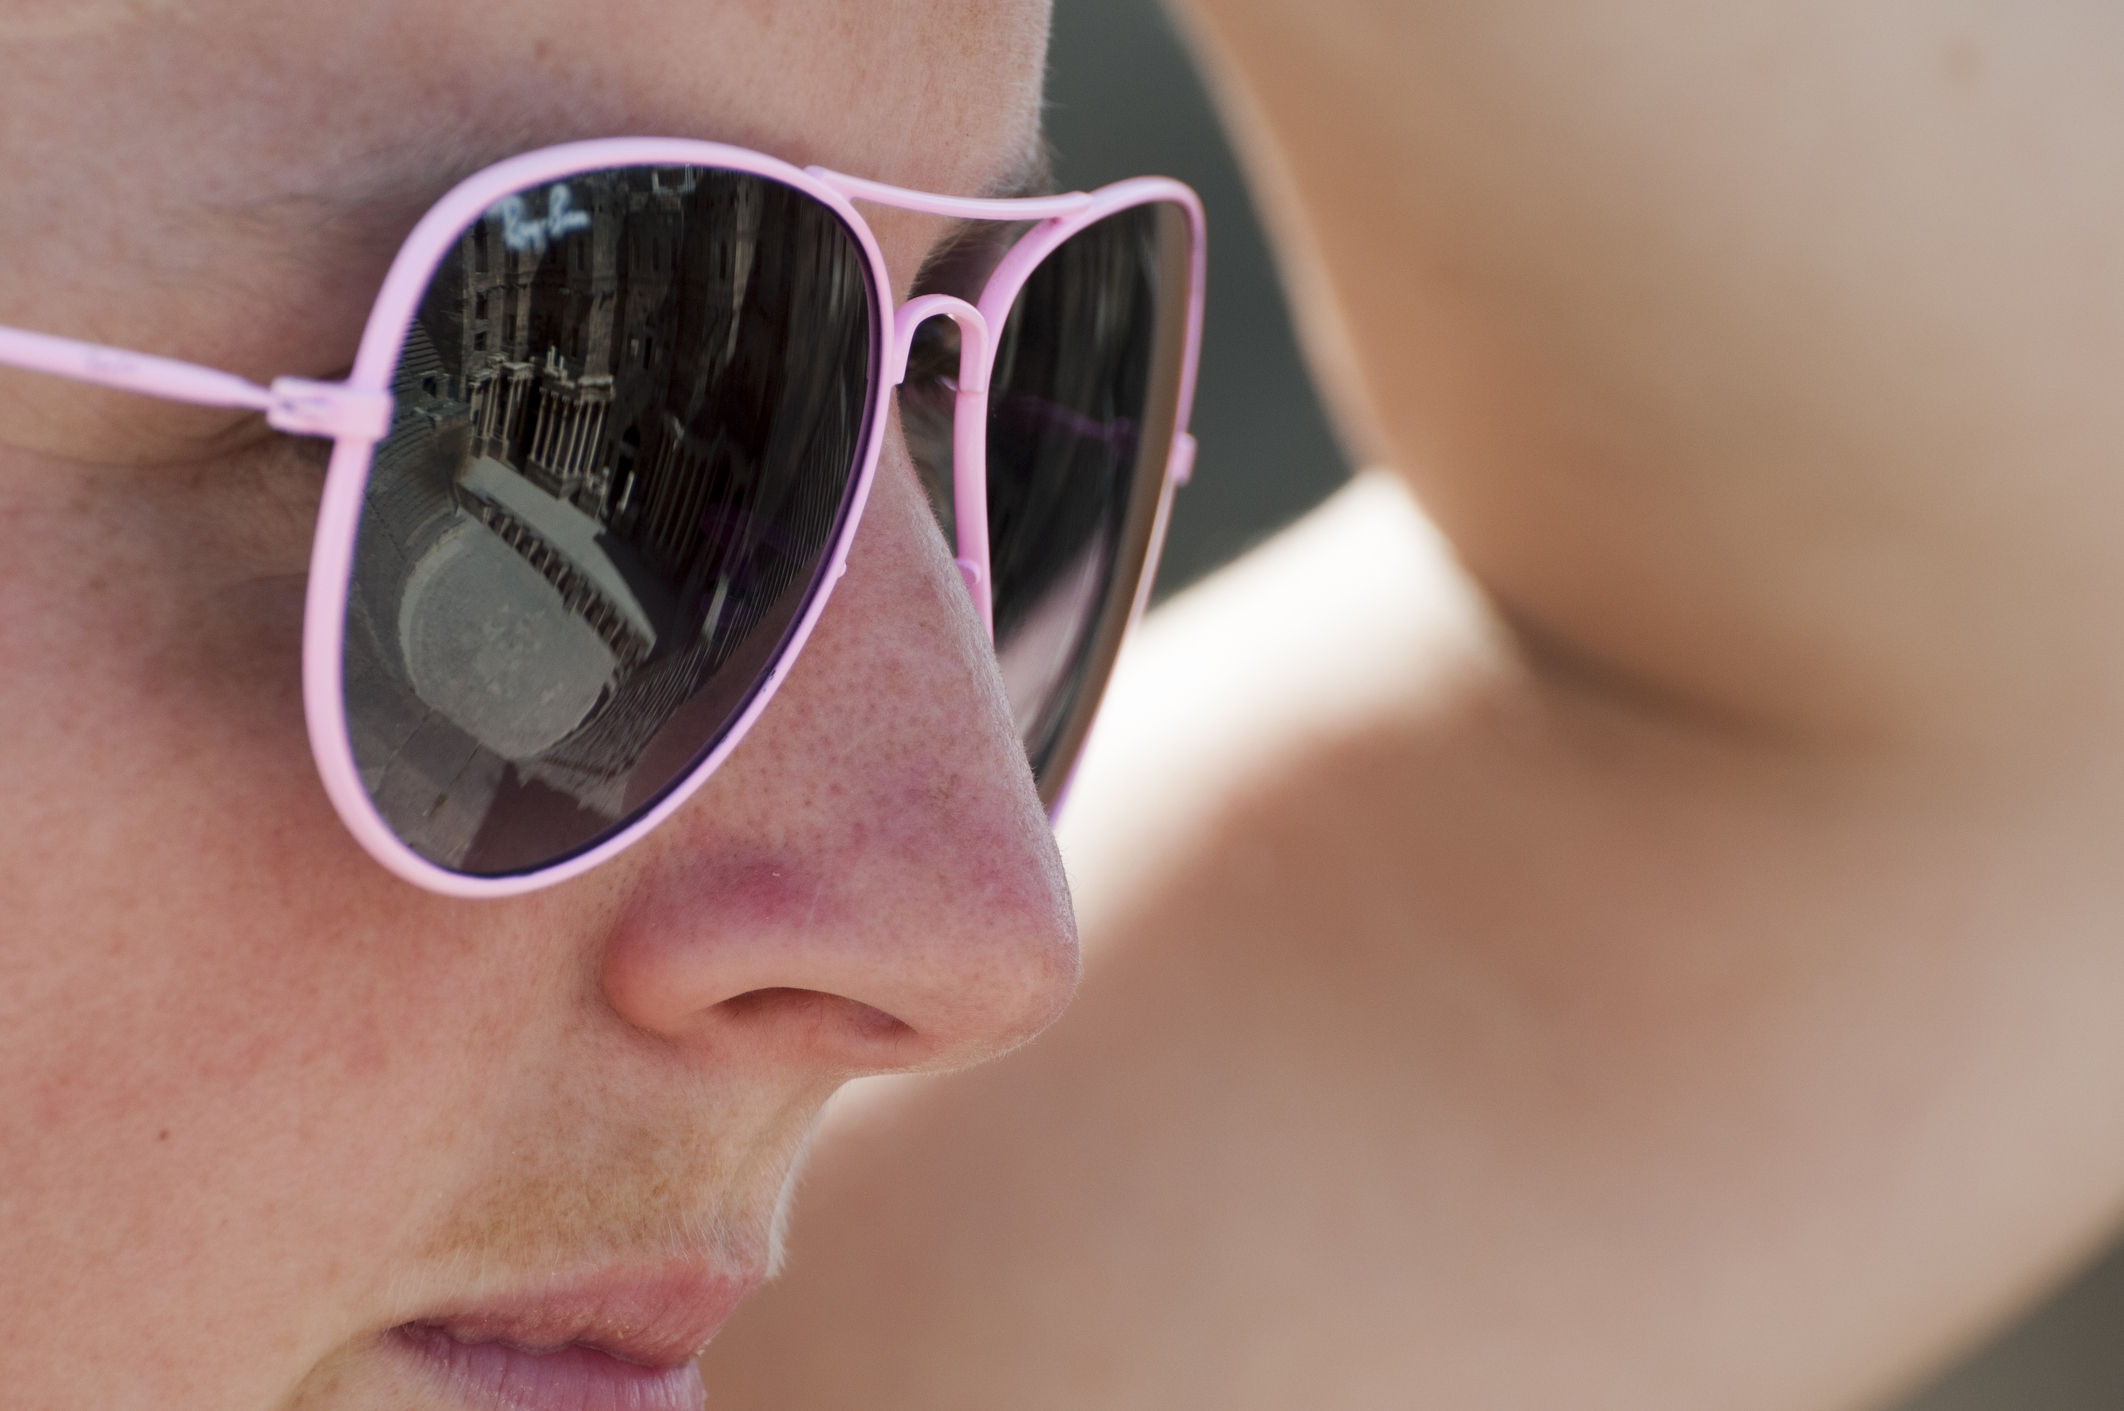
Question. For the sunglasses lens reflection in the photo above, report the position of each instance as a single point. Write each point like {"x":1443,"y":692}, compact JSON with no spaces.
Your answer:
{"x":1082,"y":410}
{"x":629,"y":416}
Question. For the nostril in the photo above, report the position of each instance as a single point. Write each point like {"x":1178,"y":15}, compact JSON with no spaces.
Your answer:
{"x":815,"y":1011}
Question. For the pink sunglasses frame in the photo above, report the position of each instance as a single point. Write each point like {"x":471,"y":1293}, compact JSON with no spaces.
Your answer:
{"x":356,"y":414}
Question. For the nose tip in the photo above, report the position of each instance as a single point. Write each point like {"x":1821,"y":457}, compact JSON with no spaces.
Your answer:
{"x":943,"y":965}
{"x":868,"y":883}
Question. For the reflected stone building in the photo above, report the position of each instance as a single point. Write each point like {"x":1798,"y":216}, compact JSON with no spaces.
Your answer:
{"x":604,"y":475}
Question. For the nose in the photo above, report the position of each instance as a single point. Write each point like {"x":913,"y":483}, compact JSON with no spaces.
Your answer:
{"x":868,"y":883}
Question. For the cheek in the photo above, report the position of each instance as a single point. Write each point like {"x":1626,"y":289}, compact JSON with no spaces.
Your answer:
{"x":153,"y":689}
{"x":177,"y":847}
{"x":248,"y":1119}
{"x":239,"y":1073}
{"x":194,"y":1022}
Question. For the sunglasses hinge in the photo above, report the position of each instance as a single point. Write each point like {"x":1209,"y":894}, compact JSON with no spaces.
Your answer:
{"x":306,"y":408}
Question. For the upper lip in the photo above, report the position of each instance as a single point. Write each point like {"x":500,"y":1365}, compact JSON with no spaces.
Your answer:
{"x":658,"y":1316}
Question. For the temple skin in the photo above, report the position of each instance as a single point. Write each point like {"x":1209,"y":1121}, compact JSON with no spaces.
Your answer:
{"x":260,"y":1101}
{"x":1620,"y":909}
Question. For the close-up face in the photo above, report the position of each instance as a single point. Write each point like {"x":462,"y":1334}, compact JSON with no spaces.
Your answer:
{"x":278,"y":1128}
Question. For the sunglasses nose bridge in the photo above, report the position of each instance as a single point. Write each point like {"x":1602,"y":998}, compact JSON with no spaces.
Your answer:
{"x":969,"y":433}
{"x":974,"y":351}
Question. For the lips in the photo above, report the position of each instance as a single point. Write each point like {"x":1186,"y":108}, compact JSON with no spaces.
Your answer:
{"x":611,"y":1342}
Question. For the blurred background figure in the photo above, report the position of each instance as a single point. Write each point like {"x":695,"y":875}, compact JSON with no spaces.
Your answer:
{"x":1124,"y":97}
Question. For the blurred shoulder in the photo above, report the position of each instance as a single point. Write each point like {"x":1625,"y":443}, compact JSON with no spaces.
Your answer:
{"x":1356,"y":617}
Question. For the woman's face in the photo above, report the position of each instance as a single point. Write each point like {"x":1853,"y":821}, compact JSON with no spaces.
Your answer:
{"x":264,"y":1108}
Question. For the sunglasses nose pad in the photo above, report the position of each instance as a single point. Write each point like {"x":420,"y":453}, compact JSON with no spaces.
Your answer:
{"x":969,"y":435}
{"x":977,"y":584}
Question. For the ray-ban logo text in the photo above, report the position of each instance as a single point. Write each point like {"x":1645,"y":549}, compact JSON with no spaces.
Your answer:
{"x":525,"y":233}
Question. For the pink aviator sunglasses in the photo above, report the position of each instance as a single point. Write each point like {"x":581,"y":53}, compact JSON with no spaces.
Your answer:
{"x":607,"y":439}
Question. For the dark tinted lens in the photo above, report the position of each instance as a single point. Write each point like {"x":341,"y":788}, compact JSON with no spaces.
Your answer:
{"x":629,"y":416}
{"x":1081,"y":421}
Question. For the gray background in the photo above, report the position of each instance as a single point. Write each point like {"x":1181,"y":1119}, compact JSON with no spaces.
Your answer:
{"x":1124,"y":101}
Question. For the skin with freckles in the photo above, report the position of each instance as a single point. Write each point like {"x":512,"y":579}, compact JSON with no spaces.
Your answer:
{"x":259,"y":1101}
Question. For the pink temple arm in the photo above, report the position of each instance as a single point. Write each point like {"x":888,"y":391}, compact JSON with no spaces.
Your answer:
{"x":291,"y":404}
{"x":133,"y":372}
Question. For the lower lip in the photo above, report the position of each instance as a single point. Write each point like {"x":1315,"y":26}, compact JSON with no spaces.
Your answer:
{"x":494,"y":1376}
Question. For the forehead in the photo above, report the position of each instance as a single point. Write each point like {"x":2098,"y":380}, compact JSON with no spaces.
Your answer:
{"x":246,"y":87}
{"x":225,"y":182}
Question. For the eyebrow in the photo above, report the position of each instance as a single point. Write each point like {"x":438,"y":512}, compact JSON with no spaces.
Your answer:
{"x":964,"y":239}
{"x":365,"y":208}
{"x":1033,"y":174}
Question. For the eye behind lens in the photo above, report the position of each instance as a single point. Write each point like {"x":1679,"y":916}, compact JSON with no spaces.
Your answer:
{"x":630,"y":409}
{"x":1084,"y":403}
